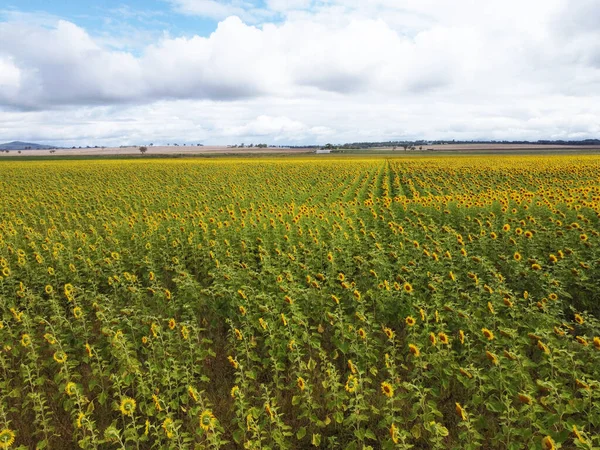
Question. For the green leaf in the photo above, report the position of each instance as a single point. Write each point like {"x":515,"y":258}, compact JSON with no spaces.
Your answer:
{"x":370,"y":435}
{"x":296,"y":400}
{"x":301,"y":433}
{"x":316,"y":439}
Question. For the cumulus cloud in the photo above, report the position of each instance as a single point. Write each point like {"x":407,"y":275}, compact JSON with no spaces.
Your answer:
{"x":306,"y":70}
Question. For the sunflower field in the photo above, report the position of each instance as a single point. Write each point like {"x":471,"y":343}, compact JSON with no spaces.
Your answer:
{"x":313,"y":302}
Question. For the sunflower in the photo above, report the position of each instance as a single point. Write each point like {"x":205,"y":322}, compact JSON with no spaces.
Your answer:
{"x":127,"y":406}
{"x":579,"y":319}
{"x":262,"y":323}
{"x":77,"y":313}
{"x":79,"y":421}
{"x":351,"y":366}
{"x":543,"y":347}
{"x":234,"y":391}
{"x":50,"y":339}
{"x":25,"y":340}
{"x":172,"y":324}
{"x":583,"y":237}
{"x":48,"y":289}
{"x":351,"y":384}
{"x":517,"y":256}
{"x":578,"y":435}
{"x":461,"y":412}
{"x":596,"y":342}
{"x":242,"y":310}
{"x":7,"y":438}
{"x":156,"y":401}
{"x":407,"y":287}
{"x":207,"y":420}
{"x":362,"y":333}
{"x":582,"y":340}
{"x":283,"y":320}
{"x":432,"y":339}
{"x":410,"y":321}
{"x":394,"y":433}
{"x":335,"y":299}
{"x":70,"y":388}
{"x":466,"y":373}
{"x":301,"y":383}
{"x":488,"y":334}
{"x":443,"y":337}
{"x":492,"y":357}
{"x":288,"y":300}
{"x":168,"y":427}
{"x":341,"y":276}
{"x":238,"y":334}
{"x":506,"y":227}
{"x":387,"y":389}
{"x":548,"y":443}
{"x":389,"y":333}
{"x":233,"y":362}
{"x":60,"y":357}
{"x":414,"y":350}
{"x":461,"y":336}
{"x":524,"y":398}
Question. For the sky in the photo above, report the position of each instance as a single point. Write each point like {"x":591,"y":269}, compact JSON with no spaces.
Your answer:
{"x":296,"y":72}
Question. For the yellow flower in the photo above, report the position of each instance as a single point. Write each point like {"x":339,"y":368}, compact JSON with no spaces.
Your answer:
{"x":127,"y":406}
{"x":548,"y":443}
{"x":168,"y":427}
{"x":60,"y":357}
{"x":80,"y":418}
{"x":407,"y":287}
{"x":597,"y":342}
{"x":578,"y":435}
{"x":543,"y":347}
{"x":77,"y":313}
{"x":48,"y":289}
{"x":351,"y":366}
{"x":387,"y":389}
{"x":579,"y":319}
{"x":524,"y":398}
{"x":335,"y":299}
{"x":362,"y":333}
{"x":492,"y":357}
{"x":394,"y":433}
{"x":234,"y":391}
{"x":414,"y":350}
{"x":50,"y":339}
{"x":488,"y":334}
{"x":7,"y":438}
{"x":283,"y":320}
{"x":156,"y":401}
{"x":25,"y":340}
{"x":207,"y":420}
{"x":233,"y":362}
{"x":70,"y":388}
{"x":582,"y":340}
{"x":432,"y":339}
{"x":262,"y":323}
{"x":461,"y":412}
{"x":491,"y":308}
{"x":185,"y":332}
{"x":517,"y":256}
{"x":351,"y":384}
{"x":389,"y":333}
{"x":466,"y":373}
{"x":461,"y":336}
{"x":410,"y":321}
{"x":238,"y":334}
{"x":242,"y":310}
{"x":172,"y":324}
{"x":443,"y":337}
{"x":422,"y":313}
{"x":301,"y":383}
{"x":192,"y":393}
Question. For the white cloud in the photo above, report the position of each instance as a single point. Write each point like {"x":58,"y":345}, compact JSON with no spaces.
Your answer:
{"x":336,"y":70}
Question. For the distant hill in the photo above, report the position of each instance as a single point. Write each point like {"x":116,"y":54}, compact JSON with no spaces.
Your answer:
{"x":18,"y":145}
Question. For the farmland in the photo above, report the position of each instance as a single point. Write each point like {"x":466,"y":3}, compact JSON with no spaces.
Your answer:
{"x":427,"y":302}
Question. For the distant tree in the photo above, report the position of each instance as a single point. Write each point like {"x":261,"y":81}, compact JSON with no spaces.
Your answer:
{"x":151,"y":144}
{"x":143,"y":150}
{"x":19,"y":152}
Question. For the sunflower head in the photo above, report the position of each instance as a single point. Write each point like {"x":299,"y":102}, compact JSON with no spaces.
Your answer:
{"x":387,"y":389}
{"x":127,"y":406}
